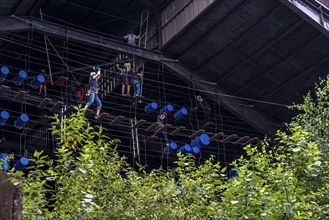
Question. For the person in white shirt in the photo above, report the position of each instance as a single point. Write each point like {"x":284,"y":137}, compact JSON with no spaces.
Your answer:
{"x":131,"y":38}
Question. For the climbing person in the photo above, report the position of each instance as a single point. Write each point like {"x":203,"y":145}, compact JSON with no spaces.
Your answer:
{"x":43,"y":85}
{"x":72,"y":91}
{"x":204,"y":106}
{"x":136,"y":81}
{"x":161,"y":123}
{"x":131,"y":38}
{"x":93,"y":90}
{"x":125,"y":74}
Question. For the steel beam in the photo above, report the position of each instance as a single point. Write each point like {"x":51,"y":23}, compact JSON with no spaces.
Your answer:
{"x":238,"y":107}
{"x":260,"y":50}
{"x":257,"y":119}
{"x":311,"y":13}
{"x":284,"y":60}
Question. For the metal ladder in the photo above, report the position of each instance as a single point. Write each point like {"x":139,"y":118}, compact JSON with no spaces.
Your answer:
{"x":143,"y":29}
{"x":107,"y":83}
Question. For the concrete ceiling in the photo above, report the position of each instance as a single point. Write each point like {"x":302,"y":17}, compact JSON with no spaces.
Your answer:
{"x":256,"y":50}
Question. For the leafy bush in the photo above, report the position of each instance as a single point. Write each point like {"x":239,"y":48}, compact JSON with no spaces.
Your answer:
{"x":92,"y":181}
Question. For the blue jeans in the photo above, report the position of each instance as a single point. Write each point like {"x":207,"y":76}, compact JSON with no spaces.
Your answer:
{"x":132,"y":43}
{"x":94,"y":97}
{"x":137,"y":87}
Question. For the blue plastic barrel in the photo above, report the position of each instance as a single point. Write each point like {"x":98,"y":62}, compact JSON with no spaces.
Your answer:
{"x":170,"y":148}
{"x":4,"y":73}
{"x":151,"y":107}
{"x":195,"y":150}
{"x":4,"y":115}
{"x":232,"y":173}
{"x":20,"y":77}
{"x":201,"y":141}
{"x":21,"y":121}
{"x":21,"y":163}
{"x":5,"y":164}
{"x":36,"y":82}
{"x":179,"y":114}
{"x":185,"y":149}
{"x":167,"y":109}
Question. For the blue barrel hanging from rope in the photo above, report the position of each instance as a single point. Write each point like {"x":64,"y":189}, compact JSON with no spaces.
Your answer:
{"x":232,"y":173}
{"x":4,"y":71}
{"x":167,"y":109}
{"x":195,"y":150}
{"x":21,"y":121}
{"x":20,"y":77}
{"x":201,"y":141}
{"x":4,"y":115}
{"x":185,"y":149}
{"x":151,"y":107}
{"x":170,"y":148}
{"x":180,"y":113}
{"x":5,"y":164}
{"x":21,"y":163}
{"x":37,"y":81}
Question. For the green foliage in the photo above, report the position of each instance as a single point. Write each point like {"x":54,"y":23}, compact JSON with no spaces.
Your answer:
{"x":314,"y":116}
{"x":92,"y":181}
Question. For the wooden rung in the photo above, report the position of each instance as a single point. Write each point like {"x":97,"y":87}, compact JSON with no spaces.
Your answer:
{"x":89,"y":112}
{"x":241,"y":140}
{"x":139,"y":123}
{"x":69,"y":110}
{"x":216,"y":136}
{"x":102,"y":116}
{"x":151,"y":139}
{"x":153,"y":126}
{"x":3,"y":89}
{"x":197,"y":133}
{"x":44,"y":119}
{"x":193,"y":110}
{"x":60,"y":81}
{"x":19,"y":96}
{"x":137,"y":98}
{"x":228,"y":138}
{"x":252,"y":140}
{"x":57,"y":107}
{"x":163,"y":128}
{"x":208,"y":124}
{"x":116,"y":120}
{"x":177,"y":130}
{"x":44,"y":103}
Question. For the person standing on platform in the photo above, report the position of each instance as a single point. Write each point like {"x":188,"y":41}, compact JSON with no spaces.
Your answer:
{"x":125,"y":74}
{"x":136,"y":80}
{"x":204,"y":106}
{"x":93,"y":90}
{"x":43,"y":85}
{"x":131,"y":38}
{"x":72,"y":91}
{"x":79,"y":93}
{"x":160,"y":119}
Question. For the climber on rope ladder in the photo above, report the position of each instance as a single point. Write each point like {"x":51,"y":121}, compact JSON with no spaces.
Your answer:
{"x":93,"y":90}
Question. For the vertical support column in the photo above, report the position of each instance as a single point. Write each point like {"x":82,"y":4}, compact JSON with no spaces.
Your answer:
{"x":133,"y":136}
{"x":135,"y":140}
{"x":143,"y":29}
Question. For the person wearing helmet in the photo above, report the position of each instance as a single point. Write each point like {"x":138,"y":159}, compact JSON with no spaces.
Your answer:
{"x":93,"y":90}
{"x":161,"y":120}
{"x":125,"y":74}
{"x":204,"y":106}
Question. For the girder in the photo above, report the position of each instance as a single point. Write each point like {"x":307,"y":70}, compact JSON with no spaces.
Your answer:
{"x":239,"y":107}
